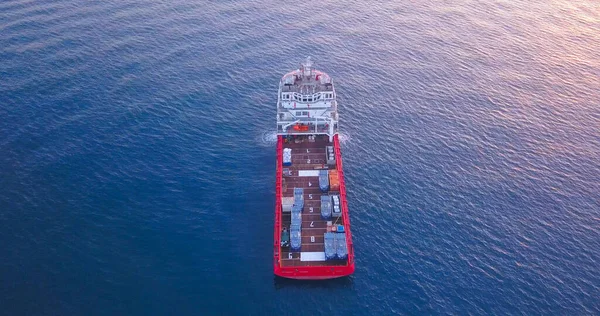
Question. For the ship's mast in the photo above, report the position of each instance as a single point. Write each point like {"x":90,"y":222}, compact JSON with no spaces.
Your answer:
{"x":306,"y":103}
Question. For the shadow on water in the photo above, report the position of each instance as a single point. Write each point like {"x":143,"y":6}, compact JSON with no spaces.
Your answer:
{"x":344,"y":282}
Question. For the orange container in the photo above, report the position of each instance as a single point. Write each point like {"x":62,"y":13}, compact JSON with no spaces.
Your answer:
{"x":334,"y":181}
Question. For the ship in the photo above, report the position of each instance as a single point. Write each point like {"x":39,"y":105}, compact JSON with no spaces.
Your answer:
{"x":312,"y":236}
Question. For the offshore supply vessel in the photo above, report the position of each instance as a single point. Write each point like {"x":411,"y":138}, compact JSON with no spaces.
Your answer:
{"x":312,"y":228}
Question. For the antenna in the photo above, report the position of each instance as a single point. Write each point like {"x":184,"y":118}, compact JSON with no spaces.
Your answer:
{"x":308,"y":62}
{"x":307,"y":67}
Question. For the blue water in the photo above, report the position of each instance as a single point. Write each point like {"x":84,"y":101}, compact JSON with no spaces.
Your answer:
{"x":137,"y":155}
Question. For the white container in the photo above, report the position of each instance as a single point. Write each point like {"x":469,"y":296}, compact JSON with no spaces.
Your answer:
{"x":336,"y":211}
{"x":286,"y":204}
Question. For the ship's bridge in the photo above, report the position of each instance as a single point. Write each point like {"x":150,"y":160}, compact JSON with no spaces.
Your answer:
{"x":306,"y":103}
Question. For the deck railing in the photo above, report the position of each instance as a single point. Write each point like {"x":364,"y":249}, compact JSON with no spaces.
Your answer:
{"x":279,"y":175}
{"x":345,"y":215}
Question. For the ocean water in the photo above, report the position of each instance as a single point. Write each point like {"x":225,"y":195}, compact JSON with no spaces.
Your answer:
{"x":137,"y":155}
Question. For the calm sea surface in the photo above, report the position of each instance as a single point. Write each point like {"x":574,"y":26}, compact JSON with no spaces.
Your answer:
{"x":137,"y":155}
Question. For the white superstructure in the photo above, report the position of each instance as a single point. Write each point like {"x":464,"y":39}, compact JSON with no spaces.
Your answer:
{"x":306,"y":103}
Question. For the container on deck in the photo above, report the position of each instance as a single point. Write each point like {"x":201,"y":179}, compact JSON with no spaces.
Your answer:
{"x":324,"y":180}
{"x":297,"y":207}
{"x":334,"y":181}
{"x":329,"y":242}
{"x":299,"y":192}
{"x":336,"y":211}
{"x":340,"y":228}
{"x":341,"y":249}
{"x":287,"y":156}
{"x":295,"y":240}
{"x":325,"y":206}
{"x":336,"y":199}
{"x":297,"y":218}
{"x":285,"y":238}
{"x":335,"y":243}
{"x":294,"y":228}
{"x":286,"y":172}
{"x":286,"y":204}
{"x":298,"y":199}
{"x":330,"y":155}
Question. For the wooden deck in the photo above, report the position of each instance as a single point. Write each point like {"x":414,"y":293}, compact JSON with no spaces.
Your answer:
{"x":307,"y":155}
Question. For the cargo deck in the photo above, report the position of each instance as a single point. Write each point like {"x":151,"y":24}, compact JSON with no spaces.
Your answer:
{"x":307,"y":158}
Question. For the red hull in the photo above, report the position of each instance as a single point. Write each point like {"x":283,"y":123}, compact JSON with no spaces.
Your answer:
{"x":314,"y":273}
{"x":311,"y":272}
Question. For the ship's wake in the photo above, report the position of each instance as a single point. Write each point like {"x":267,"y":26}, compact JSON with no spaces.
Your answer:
{"x":345,"y":138}
{"x":268,"y":138}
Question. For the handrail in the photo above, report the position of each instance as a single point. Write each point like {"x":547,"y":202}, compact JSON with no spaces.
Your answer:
{"x":345,"y":215}
{"x":278,"y":181}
